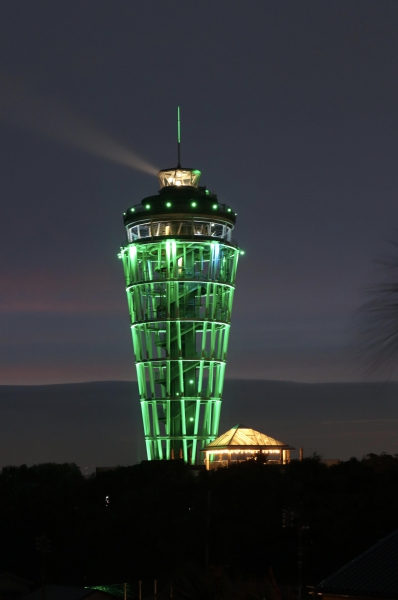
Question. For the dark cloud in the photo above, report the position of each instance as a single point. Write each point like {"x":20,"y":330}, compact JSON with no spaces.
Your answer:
{"x":288,"y":109}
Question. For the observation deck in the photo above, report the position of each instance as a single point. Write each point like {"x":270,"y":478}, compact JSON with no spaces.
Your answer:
{"x":180,"y":209}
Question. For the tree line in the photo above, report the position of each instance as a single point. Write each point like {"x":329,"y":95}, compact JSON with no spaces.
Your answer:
{"x":161,"y":520}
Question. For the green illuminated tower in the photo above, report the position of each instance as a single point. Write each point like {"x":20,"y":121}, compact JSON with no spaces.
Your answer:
{"x":180,"y":266}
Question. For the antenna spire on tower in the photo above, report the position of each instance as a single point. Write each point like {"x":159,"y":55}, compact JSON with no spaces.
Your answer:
{"x":178,"y":135}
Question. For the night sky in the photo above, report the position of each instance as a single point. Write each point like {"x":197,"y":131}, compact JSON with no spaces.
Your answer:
{"x":289,"y":109}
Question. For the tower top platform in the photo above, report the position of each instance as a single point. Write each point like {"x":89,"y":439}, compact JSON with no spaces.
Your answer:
{"x":180,"y":196}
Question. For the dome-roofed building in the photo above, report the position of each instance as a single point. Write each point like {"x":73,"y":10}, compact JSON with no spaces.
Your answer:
{"x":241,"y":443}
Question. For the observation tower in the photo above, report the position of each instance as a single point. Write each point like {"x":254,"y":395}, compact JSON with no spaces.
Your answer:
{"x":180,"y":264}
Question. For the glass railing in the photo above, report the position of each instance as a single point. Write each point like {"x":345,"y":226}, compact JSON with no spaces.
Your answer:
{"x":190,"y":228}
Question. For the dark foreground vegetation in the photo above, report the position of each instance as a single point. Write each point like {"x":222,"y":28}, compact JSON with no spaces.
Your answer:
{"x":162,"y":521}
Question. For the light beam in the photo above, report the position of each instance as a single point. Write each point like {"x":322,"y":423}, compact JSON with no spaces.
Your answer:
{"x":48,"y":117}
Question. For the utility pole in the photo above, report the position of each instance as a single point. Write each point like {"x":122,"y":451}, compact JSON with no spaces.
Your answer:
{"x":43,"y":546}
{"x":292,"y":517}
{"x":300,"y":559}
{"x":207,"y":530}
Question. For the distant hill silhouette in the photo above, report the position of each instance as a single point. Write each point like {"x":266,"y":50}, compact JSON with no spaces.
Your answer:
{"x":99,"y":423}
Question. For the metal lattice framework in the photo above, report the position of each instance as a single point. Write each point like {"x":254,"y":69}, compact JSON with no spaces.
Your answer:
{"x":180,"y":292}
